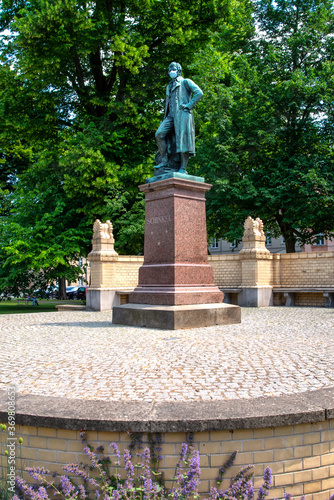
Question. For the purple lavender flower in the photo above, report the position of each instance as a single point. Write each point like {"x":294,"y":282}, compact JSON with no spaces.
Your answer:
{"x":156,"y":492}
{"x":192,"y":478}
{"x":183,"y":452}
{"x":117,"y":453}
{"x":213,"y":493}
{"x":287,"y":496}
{"x":82,"y":492}
{"x":264,"y":489}
{"x":225,"y":466}
{"x":24,"y":488}
{"x":250,"y":491}
{"x":93,"y":458}
{"x":37,"y":472}
{"x":148,"y":483}
{"x":42,"y":494}
{"x":116,"y":495}
{"x":129,"y":469}
{"x":74,"y":469}
{"x":66,"y":486}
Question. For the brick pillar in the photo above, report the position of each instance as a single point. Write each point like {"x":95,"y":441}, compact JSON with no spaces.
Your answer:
{"x":103,"y":262}
{"x":256,"y":263}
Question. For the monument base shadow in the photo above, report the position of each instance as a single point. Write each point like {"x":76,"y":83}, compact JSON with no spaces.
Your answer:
{"x":176,"y":317}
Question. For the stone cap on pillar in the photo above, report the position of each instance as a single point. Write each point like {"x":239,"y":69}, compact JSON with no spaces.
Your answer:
{"x":103,"y":241}
{"x":254,"y":240}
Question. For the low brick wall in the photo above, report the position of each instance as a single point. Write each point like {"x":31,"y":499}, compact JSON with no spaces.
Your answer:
{"x":305,"y":269}
{"x":289,"y":270}
{"x":227,"y":270}
{"x":301,"y":457}
{"x":293,"y":435}
{"x":127,"y":270}
{"x":299,"y":270}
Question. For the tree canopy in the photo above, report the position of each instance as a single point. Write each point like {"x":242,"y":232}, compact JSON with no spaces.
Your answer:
{"x":267,"y":138}
{"x":82,"y":93}
{"x":79,"y":109}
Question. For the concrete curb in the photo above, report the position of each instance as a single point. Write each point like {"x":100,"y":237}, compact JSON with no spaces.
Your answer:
{"x":196,"y":416}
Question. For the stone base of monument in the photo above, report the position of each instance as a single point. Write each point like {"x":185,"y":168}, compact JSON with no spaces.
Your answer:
{"x":176,"y":317}
{"x":176,"y":286}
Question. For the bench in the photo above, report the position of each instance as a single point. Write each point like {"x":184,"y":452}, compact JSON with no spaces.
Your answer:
{"x":289,"y":294}
{"x":228,"y":292}
{"x":22,"y":301}
{"x":26,"y":300}
{"x":123,"y":295}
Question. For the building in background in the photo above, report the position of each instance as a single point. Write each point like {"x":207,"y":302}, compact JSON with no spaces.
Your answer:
{"x":274,"y":245}
{"x":320,"y":244}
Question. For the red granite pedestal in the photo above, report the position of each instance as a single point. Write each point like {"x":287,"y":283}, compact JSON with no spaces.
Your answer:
{"x":176,"y":272}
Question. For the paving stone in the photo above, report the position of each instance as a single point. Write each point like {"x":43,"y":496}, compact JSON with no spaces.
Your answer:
{"x":82,"y":355}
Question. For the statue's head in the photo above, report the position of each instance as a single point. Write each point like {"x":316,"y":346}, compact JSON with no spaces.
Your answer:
{"x":174,"y":69}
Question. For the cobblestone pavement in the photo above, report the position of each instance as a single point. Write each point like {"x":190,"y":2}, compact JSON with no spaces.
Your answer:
{"x":80,"y":354}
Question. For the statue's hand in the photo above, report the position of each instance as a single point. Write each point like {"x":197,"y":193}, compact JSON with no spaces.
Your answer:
{"x":185,"y":107}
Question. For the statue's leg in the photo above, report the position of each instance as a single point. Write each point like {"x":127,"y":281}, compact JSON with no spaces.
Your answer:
{"x":165,"y":128}
{"x":184,"y":163}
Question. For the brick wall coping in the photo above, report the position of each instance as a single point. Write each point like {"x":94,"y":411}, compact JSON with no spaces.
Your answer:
{"x":277,"y":256}
{"x":131,"y":258}
{"x":195,"y":416}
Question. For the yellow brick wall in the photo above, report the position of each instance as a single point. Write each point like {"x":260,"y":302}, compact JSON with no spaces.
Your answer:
{"x":286,"y":270}
{"x":265,"y":273}
{"x":307,"y":269}
{"x":127,"y":271}
{"x":310,"y":299}
{"x":301,"y":456}
{"x":226,"y":270}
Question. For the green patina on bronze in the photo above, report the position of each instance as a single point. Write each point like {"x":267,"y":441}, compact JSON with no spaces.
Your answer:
{"x":176,"y":133}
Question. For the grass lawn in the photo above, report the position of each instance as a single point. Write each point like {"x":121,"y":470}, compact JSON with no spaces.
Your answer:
{"x":11,"y":306}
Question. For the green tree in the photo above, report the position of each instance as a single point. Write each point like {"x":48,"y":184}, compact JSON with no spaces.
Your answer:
{"x":267,"y":137}
{"x":78,"y":115}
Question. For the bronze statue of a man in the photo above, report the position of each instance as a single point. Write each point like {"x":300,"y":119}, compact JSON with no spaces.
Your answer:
{"x":176,"y":134}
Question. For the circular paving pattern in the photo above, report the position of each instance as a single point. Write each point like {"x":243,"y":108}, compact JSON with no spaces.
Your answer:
{"x":82,"y":355}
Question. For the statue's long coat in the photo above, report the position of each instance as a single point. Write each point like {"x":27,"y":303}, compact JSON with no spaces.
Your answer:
{"x":183,"y":120}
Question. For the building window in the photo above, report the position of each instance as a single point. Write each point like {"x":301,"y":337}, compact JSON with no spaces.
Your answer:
{"x":214,"y":243}
{"x":268,"y":240}
{"x":234,"y":244}
{"x":80,"y":261}
{"x":283,"y":240}
{"x":319,"y":240}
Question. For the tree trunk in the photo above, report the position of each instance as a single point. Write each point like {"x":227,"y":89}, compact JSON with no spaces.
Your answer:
{"x":287,"y":233}
{"x":290,"y":245}
{"x":62,"y":289}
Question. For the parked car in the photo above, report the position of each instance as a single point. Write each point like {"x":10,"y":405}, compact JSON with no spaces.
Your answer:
{"x":81,"y":292}
{"x":71,"y":292}
{"x":54,"y":291}
{"x":50,"y":293}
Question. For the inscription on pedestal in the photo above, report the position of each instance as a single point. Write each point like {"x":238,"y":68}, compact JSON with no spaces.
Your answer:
{"x":159,"y":219}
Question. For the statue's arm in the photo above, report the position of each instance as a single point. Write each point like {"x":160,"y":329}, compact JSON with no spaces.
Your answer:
{"x":196,"y":91}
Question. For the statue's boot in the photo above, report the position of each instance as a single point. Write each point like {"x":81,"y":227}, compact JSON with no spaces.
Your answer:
{"x":184,"y":163}
{"x":164,"y":163}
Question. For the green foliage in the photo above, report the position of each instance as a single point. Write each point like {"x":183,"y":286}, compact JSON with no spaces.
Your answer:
{"x":78,"y":112}
{"x":266,"y":138}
